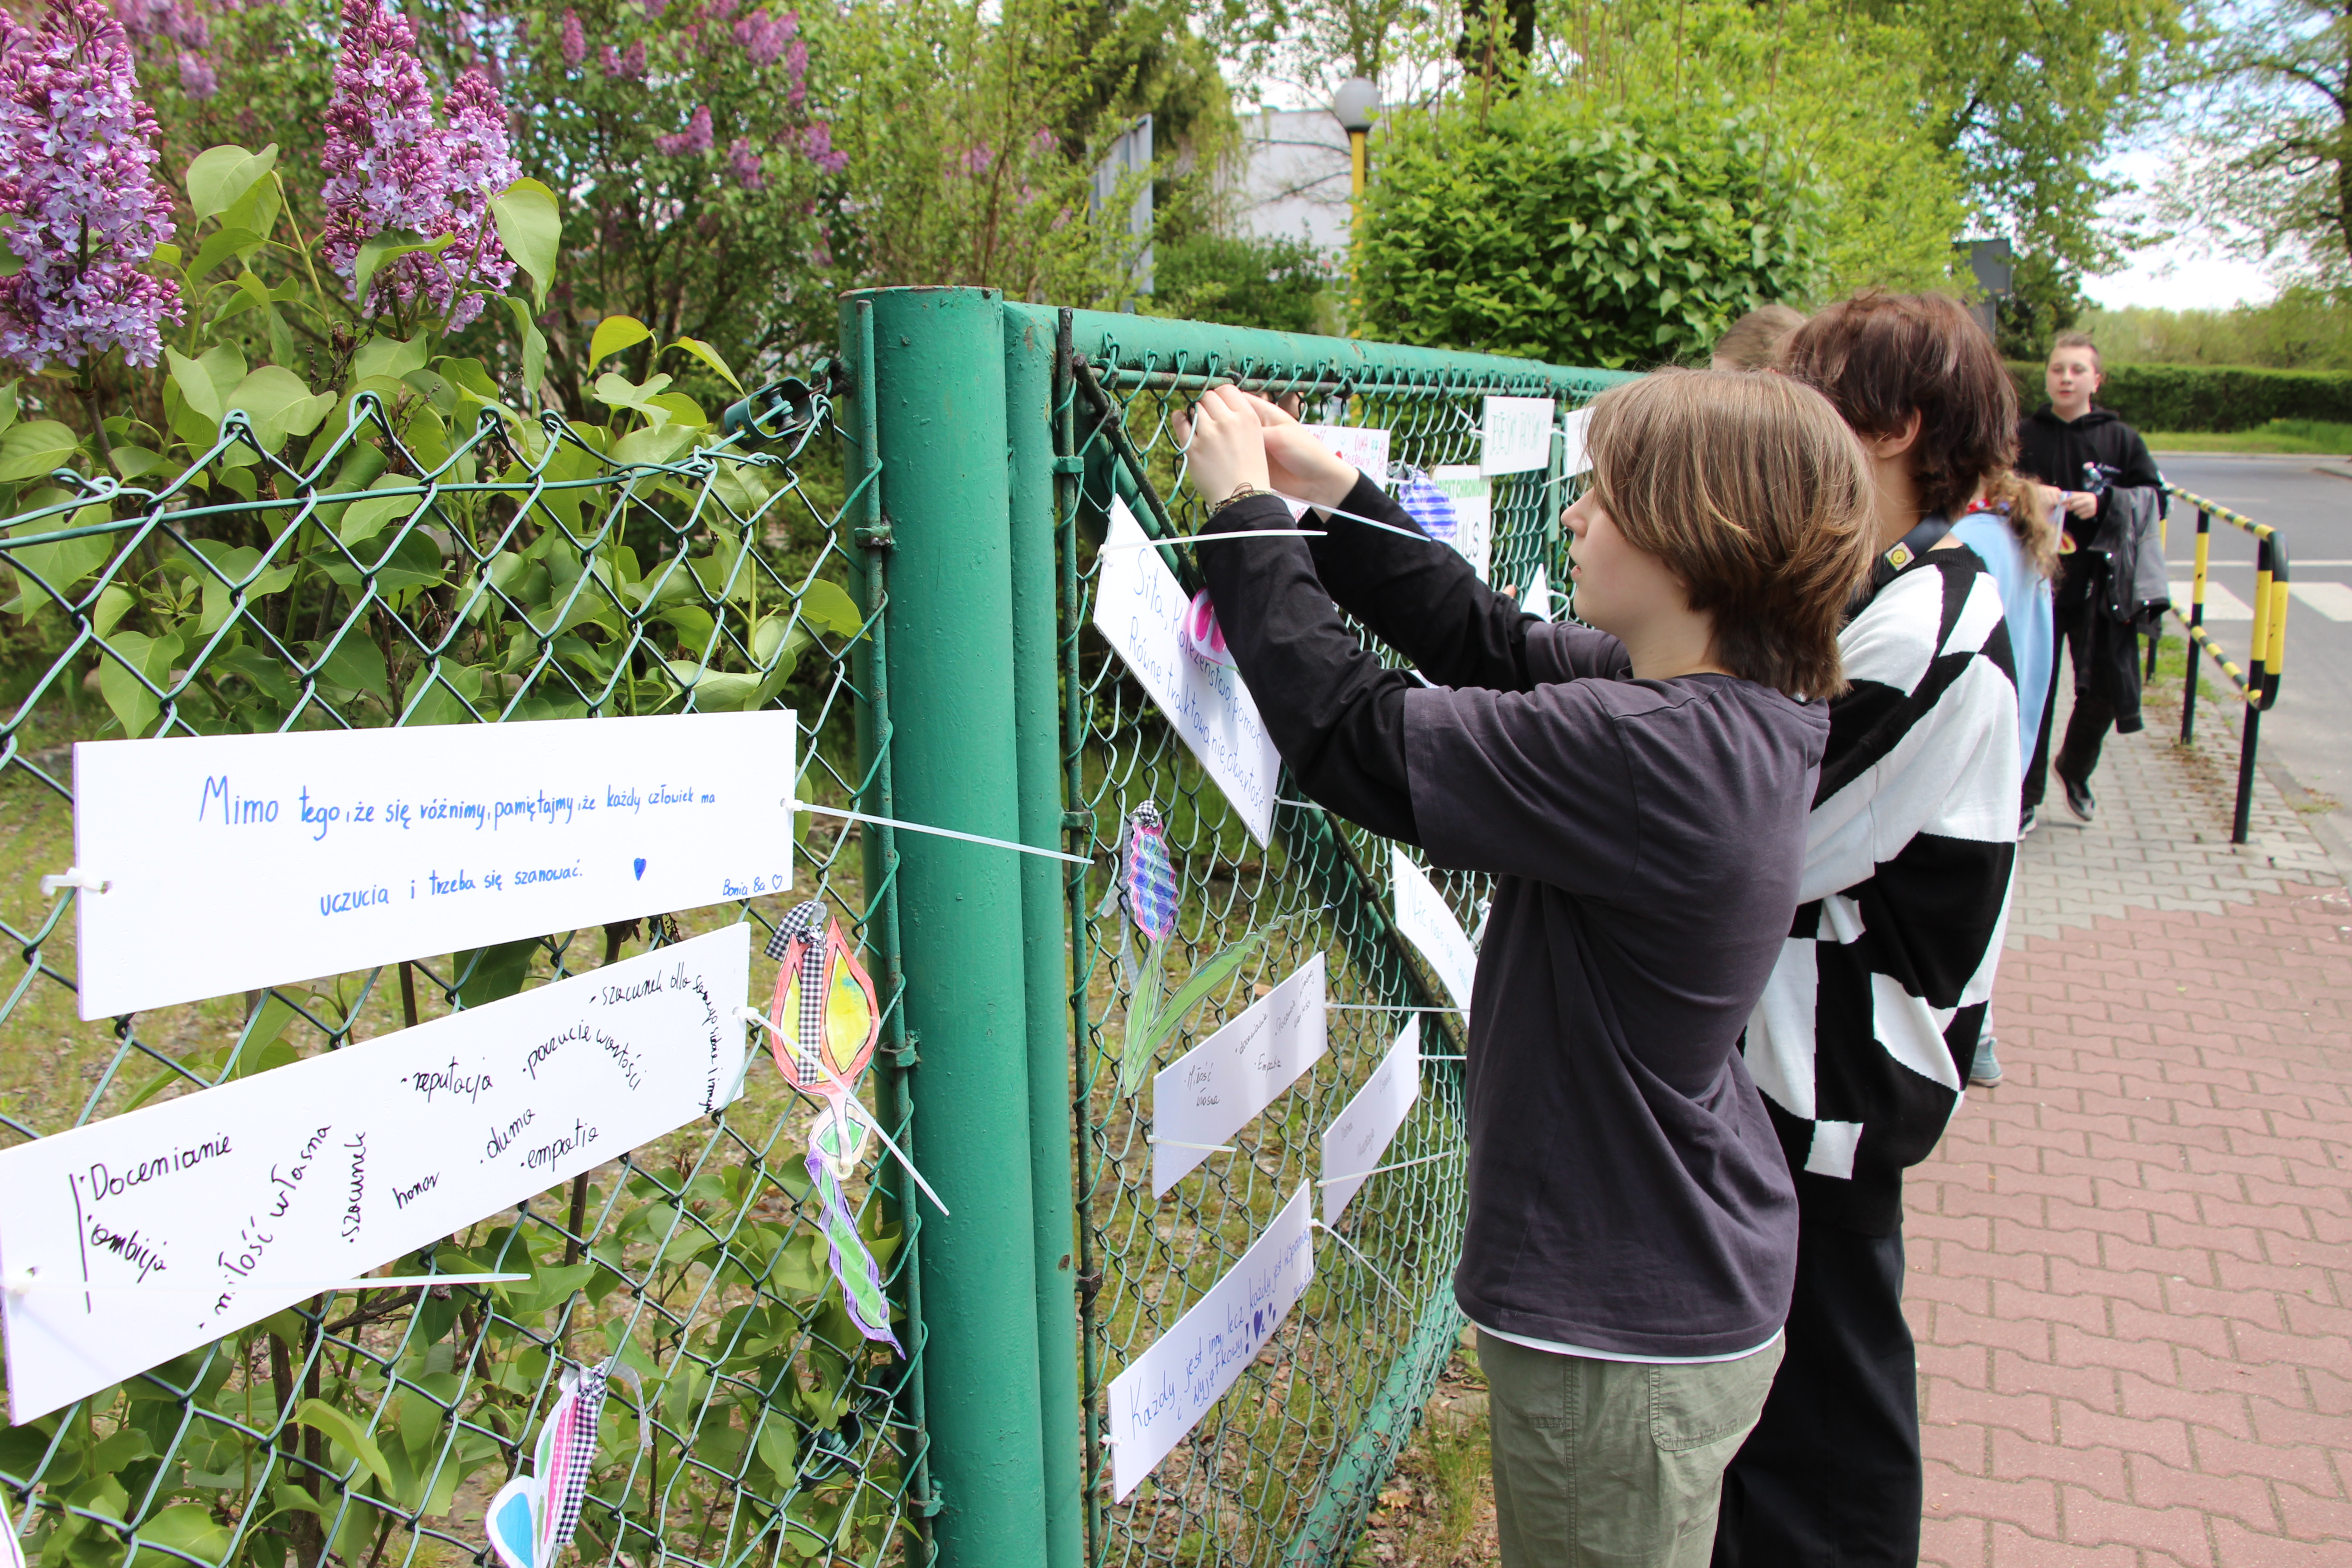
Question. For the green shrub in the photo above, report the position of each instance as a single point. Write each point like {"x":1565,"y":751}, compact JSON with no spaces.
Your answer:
{"x":2206,"y":397}
{"x":1243,"y":281}
{"x":1551,"y":229}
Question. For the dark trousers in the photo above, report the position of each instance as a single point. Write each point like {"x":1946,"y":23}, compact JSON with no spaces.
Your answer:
{"x":1830,"y":1477}
{"x":2106,"y":656}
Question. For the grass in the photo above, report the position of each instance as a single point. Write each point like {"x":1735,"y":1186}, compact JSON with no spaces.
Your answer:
{"x":1438,"y":1510}
{"x":2308,"y":437}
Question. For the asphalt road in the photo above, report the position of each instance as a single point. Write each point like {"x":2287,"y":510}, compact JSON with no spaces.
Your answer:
{"x":2309,"y":500}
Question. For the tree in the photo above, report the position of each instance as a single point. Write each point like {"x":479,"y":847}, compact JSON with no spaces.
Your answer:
{"x":2031,"y":97}
{"x":1838,"y":95}
{"x":1548,"y":228}
{"x":2267,"y":154}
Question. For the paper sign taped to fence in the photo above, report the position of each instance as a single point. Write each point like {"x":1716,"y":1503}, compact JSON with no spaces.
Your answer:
{"x":1575,"y":458}
{"x":1164,"y":1392}
{"x":1140,"y":610}
{"x":1472,"y":496}
{"x":1356,"y":1141}
{"x":133,"y":1240}
{"x":1518,"y":435}
{"x":1428,"y":923}
{"x":1213,"y":1090}
{"x":240,"y":861}
{"x":1366,"y":449}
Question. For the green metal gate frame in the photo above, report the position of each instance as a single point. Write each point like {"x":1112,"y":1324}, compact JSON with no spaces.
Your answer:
{"x":997,"y":428}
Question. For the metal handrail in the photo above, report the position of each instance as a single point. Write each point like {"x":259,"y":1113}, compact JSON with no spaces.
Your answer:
{"x":2258,"y":684}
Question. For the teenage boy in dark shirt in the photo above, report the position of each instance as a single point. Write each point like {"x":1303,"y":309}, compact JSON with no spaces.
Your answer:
{"x":2085,"y":454}
{"x":1638,"y":787}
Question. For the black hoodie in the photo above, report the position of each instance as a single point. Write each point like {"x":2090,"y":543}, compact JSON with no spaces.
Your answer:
{"x":2096,"y":453}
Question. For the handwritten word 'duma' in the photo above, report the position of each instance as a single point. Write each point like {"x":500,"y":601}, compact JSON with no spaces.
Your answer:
{"x":502,"y":1138}
{"x":105,"y":1181}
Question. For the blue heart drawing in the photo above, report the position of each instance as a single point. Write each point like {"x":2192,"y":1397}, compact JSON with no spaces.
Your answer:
{"x":641,"y":867}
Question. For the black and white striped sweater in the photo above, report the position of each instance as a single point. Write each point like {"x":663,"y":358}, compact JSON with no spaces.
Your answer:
{"x":1864,"y":1035}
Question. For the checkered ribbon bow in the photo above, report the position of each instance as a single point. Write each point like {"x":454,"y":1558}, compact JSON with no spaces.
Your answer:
{"x":805,"y":921}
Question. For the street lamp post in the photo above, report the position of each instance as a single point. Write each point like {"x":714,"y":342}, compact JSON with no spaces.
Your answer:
{"x":1353,"y":106}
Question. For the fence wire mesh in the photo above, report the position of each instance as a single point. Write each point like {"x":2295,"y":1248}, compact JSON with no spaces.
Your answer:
{"x":1286,"y":1467}
{"x":406,"y":575}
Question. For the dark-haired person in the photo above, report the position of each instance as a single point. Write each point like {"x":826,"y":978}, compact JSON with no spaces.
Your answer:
{"x":1868,"y":1025}
{"x":1638,"y":786}
{"x":2086,"y":454}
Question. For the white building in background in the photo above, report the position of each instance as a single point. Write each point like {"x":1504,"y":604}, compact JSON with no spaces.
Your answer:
{"x":1290,"y":179}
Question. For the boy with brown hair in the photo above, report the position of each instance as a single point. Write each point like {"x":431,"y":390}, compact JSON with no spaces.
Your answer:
{"x":1870,"y":1021}
{"x":1637,"y":786}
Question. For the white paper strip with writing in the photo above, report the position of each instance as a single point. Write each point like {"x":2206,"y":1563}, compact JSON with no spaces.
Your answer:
{"x":1473,"y":495}
{"x":330,"y":1166}
{"x":1575,"y":455}
{"x":1516,"y":435}
{"x":1428,"y":923}
{"x":1164,"y":1392}
{"x":1140,"y":610}
{"x":1356,"y":1141}
{"x":239,"y":861}
{"x":1213,"y":1090}
{"x":1363,"y":449}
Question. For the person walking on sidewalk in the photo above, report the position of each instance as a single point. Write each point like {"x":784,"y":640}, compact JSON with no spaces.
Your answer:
{"x":2088,"y":456}
{"x":1872,"y":1014}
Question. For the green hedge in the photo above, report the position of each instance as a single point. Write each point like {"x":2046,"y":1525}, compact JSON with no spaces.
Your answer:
{"x":2206,"y":397}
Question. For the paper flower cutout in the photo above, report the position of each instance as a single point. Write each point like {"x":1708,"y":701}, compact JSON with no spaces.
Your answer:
{"x":533,"y":1517}
{"x":1201,"y":633}
{"x":826,"y":1021}
{"x":1145,"y":876}
{"x":853,"y":1265}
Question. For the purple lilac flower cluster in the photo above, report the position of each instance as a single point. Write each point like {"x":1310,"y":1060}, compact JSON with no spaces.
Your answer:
{"x":171,"y":23}
{"x":76,"y":156}
{"x":388,"y":166}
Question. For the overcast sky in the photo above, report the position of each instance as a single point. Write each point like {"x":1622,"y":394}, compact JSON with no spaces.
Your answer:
{"x":2189,"y":274}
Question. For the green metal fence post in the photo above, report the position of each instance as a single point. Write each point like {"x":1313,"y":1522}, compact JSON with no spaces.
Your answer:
{"x":1053,"y":1127}
{"x":936,"y":385}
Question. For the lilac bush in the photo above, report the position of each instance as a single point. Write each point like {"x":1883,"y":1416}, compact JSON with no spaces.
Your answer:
{"x":84,"y":210}
{"x":390,"y":167}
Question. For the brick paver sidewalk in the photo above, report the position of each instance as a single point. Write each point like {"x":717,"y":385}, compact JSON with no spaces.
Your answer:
{"x":2131,"y":1262}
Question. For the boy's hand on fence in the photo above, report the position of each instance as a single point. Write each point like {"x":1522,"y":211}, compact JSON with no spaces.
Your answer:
{"x":1302,"y":467}
{"x":1225,"y":446}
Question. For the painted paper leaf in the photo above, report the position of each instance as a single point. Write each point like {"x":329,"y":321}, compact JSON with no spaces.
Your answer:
{"x":1148,"y":877}
{"x":853,"y":1265}
{"x":1430,"y":507}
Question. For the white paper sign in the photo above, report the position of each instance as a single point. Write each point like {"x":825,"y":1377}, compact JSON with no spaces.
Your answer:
{"x":1537,"y":601}
{"x":1472,"y":496}
{"x":1355,"y":1143}
{"x":190,"y":1219}
{"x":1428,"y":923}
{"x":1164,"y":1392}
{"x":1518,"y":432}
{"x":1212,"y":1091}
{"x":239,"y":861}
{"x":1575,"y":458}
{"x":1366,"y":449}
{"x":1140,"y":610}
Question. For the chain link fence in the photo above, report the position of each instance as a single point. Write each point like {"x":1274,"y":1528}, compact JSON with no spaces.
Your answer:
{"x":407,"y":571}
{"x":1286,"y":1467}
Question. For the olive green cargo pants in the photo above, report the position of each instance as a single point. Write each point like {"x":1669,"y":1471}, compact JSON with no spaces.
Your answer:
{"x":1613,"y":1464}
